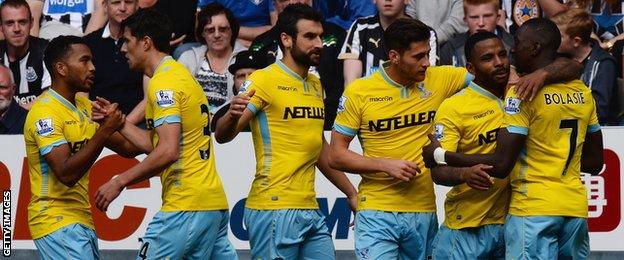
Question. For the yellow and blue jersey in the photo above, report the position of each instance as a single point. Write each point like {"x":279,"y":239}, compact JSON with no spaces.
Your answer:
{"x":192,"y":182}
{"x":51,"y":122}
{"x":392,"y":121}
{"x":546,"y":178}
{"x":287,"y":130}
{"x":468,"y":122}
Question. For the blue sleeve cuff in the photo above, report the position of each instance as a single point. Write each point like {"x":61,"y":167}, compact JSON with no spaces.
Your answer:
{"x":518,"y":130}
{"x":468,"y":79}
{"x":252,"y":108}
{"x":167,"y":119}
{"x":47,"y":149}
{"x":593,"y":128}
{"x":345,"y":130}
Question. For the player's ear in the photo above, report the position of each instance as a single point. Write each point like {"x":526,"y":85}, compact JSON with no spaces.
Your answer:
{"x":394,"y":57}
{"x":470,"y":67}
{"x":60,"y":68}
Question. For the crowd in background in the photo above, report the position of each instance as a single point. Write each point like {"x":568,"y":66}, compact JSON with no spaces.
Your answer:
{"x":221,"y":42}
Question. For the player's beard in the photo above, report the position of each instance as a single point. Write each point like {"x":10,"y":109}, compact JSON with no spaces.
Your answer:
{"x":305,"y":58}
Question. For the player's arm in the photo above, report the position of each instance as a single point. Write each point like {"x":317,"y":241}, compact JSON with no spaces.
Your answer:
{"x":236,"y":118}
{"x":139,"y":140}
{"x":336,"y":177}
{"x":508,"y":147}
{"x":69,"y":168}
{"x":475,"y":176}
{"x":352,"y":70}
{"x":559,"y":71}
{"x":592,"y":155}
{"x":138,"y":112}
{"x":166,"y":152}
{"x":341,"y":158}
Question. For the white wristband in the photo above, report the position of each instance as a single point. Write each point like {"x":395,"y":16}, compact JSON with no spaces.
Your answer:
{"x":438,"y":156}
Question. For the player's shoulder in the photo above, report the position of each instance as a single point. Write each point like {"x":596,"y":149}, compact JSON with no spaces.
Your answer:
{"x":444,"y":70}
{"x":364,"y":85}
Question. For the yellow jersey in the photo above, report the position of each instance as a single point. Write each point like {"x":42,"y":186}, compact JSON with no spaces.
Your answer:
{"x":392,"y":121}
{"x":192,"y":182}
{"x":468,"y":122}
{"x":546,"y":178}
{"x":54,"y":121}
{"x":287,"y":131}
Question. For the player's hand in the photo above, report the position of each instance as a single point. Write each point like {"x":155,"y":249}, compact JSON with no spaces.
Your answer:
{"x":476,"y":177}
{"x":239,"y":103}
{"x":528,"y":85}
{"x":99,"y":109}
{"x":427,"y":151}
{"x":400,"y":169}
{"x":352,"y":200}
{"x":107,"y":193}
{"x":114,"y":120}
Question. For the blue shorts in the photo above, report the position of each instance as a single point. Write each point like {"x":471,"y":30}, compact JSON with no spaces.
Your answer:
{"x":188,"y":235}
{"x":74,"y":241}
{"x":546,"y":237}
{"x":288,"y":234}
{"x":394,"y":235}
{"x":485,"y":242}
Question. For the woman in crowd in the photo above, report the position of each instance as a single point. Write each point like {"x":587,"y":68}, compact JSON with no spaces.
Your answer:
{"x":217,"y":30}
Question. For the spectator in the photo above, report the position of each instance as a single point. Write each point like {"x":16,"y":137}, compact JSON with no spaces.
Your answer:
{"x":246,"y":63}
{"x":113,"y":78}
{"x":255,"y":16}
{"x":217,"y":30}
{"x":479,"y":15}
{"x":12,"y":115}
{"x":344,"y":12}
{"x":22,"y":53}
{"x":330,"y":73}
{"x":608,"y":22}
{"x":445,"y":16}
{"x":599,"y":67}
{"x":66,"y":17}
{"x":364,"y":48}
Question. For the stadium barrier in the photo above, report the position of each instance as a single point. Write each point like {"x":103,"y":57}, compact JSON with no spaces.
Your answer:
{"x":128,"y":216}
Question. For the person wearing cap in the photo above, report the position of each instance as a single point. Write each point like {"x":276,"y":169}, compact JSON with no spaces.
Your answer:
{"x":246,"y":63}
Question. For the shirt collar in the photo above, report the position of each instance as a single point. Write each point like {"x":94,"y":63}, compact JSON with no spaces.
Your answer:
{"x":106,"y":33}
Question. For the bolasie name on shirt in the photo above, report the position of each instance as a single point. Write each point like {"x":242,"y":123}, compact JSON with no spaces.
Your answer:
{"x":564,"y":98}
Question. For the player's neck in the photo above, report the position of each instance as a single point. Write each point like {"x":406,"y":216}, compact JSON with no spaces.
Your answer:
{"x":65,"y":91}
{"x":152,"y":62}
{"x":541,"y":61}
{"x":491,"y":87}
{"x":300,"y":69}
{"x":396,"y":76}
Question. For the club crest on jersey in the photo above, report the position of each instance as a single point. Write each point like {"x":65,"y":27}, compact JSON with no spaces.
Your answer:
{"x":425,"y":93}
{"x":512,"y":106}
{"x":439,"y":131}
{"x":256,"y":2}
{"x":341,"y":103}
{"x":244,"y":86}
{"x":44,"y":126}
{"x":164,"y":98}
{"x":31,"y":75}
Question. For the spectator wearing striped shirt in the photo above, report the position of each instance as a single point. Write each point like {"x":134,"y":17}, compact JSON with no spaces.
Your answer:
{"x":364,"y":48}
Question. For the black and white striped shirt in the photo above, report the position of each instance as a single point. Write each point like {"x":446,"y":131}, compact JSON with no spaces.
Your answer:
{"x":365,"y":42}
